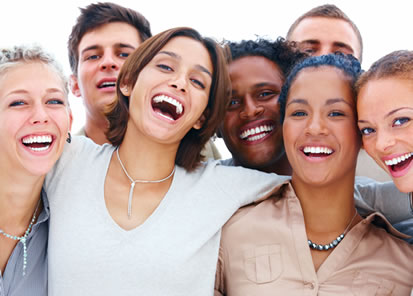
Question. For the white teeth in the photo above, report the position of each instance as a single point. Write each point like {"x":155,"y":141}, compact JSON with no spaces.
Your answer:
{"x":262,"y":130}
{"x":37,"y":139}
{"x":107,"y":83}
{"x":40,"y":148}
{"x":163,"y":98}
{"x":399,"y":159}
{"x":317,"y":150}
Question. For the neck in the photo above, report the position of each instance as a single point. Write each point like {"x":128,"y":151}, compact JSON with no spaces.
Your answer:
{"x":95,"y":129}
{"x":326,"y":209}
{"x":18,"y":200}
{"x":280,"y":167}
{"x":146,"y":160}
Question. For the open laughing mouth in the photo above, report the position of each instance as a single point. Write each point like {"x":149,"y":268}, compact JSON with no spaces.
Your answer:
{"x":167,"y":107}
{"x":257,"y":133}
{"x":38,"y":143}
{"x":397,"y":164}
{"x":107,"y":84}
{"x":316,"y":151}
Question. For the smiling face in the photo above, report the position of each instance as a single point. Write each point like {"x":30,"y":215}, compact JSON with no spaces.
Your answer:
{"x":322,"y":35}
{"x":171,"y":92}
{"x":102,"y":52}
{"x":34,"y":118}
{"x":251,"y":128}
{"x":320,"y":132}
{"x":385,"y":108}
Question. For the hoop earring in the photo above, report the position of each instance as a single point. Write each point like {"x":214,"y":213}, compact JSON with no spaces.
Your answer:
{"x":69,"y":138}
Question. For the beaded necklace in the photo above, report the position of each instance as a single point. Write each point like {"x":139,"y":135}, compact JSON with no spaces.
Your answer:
{"x":334,"y":243}
{"x":23,"y":238}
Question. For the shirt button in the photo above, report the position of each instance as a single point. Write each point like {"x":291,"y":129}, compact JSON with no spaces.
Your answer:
{"x":309,"y":285}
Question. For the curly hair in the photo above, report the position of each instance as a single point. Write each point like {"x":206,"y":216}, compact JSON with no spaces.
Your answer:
{"x":283,"y":53}
{"x":395,"y":64}
{"x":348,"y":64}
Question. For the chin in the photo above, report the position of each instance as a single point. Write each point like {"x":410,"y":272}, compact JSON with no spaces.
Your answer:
{"x":405,"y":185}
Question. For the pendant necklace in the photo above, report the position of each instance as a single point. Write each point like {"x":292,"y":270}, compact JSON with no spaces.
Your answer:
{"x":334,"y":243}
{"x":133,"y":182}
{"x":23,"y":238}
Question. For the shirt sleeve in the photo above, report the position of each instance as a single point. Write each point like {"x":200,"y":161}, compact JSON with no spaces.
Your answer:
{"x":371,"y":196}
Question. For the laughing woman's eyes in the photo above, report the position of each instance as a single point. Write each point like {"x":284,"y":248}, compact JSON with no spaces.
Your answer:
{"x":55,"y":102}
{"x":164,"y":67}
{"x":366,"y":131}
{"x":298,"y":113}
{"x":336,"y":113}
{"x":198,"y":83}
{"x":400,"y":121}
{"x":17,"y":103}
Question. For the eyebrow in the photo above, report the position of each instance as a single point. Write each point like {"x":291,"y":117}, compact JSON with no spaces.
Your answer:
{"x":389,"y":114}
{"x":328,"y":103}
{"x":343,"y":45}
{"x":118,"y":45}
{"x":178,"y":57}
{"x":48,"y":90}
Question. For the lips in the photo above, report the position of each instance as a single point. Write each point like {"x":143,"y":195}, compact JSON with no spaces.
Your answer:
{"x":256,"y":133}
{"x":37,"y":143}
{"x":107,"y":83}
{"x":167,"y":107}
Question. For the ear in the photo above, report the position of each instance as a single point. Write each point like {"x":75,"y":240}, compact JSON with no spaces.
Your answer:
{"x":125,"y":90}
{"x":74,"y":86}
{"x":200,"y":122}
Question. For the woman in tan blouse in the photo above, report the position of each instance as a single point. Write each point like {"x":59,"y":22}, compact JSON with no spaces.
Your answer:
{"x":308,"y":238}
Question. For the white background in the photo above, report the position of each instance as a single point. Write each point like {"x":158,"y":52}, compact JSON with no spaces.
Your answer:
{"x":384,"y":25}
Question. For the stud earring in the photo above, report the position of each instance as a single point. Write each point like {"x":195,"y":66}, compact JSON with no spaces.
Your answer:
{"x":69,"y":138}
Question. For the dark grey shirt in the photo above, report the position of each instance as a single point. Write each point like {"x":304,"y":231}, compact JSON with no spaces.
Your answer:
{"x":34,"y":283}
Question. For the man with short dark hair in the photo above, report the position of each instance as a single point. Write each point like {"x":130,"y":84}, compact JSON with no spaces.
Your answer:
{"x":102,"y":38}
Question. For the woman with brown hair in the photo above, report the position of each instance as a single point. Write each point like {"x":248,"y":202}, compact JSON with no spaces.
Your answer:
{"x":143,"y":217}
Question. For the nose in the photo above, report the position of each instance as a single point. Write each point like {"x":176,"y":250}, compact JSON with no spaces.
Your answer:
{"x":384,"y":140}
{"x":251,"y":109}
{"x":178,"y":81}
{"x":39,"y":116}
{"x":108,"y":62}
{"x":316,"y":126}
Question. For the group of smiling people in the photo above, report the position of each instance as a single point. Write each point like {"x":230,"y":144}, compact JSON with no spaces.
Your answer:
{"x":143,"y":215}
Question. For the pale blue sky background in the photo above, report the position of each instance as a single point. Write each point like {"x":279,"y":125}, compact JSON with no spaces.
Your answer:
{"x":384,"y":25}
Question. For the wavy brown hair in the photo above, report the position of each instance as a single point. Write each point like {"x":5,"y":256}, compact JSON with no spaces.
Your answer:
{"x":189,"y":151}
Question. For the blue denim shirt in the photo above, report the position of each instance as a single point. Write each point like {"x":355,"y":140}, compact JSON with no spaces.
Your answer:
{"x":34,"y":283}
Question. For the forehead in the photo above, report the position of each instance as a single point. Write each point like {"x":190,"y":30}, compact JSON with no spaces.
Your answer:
{"x":109,"y":35}
{"x":188,"y":51}
{"x":326,"y":30}
{"x":387,"y":91}
{"x":30,"y":76}
{"x":321,"y":83}
{"x":255,"y":69}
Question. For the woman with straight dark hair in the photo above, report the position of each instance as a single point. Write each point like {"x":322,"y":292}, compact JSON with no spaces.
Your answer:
{"x":143,"y":216}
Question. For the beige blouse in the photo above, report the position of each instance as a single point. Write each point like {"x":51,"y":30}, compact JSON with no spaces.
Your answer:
{"x":264,"y":251}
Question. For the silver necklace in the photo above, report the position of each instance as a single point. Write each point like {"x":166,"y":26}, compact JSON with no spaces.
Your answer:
{"x":133,"y":182}
{"x":334,"y":243}
{"x":23,"y":238}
